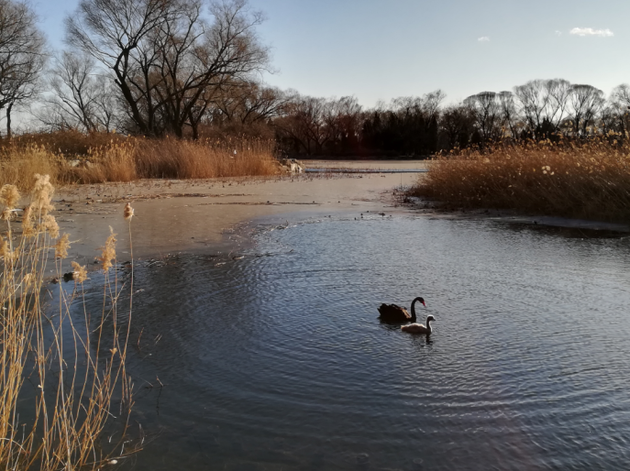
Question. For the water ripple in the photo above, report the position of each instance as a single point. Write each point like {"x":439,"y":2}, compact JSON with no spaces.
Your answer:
{"x":281,"y":359}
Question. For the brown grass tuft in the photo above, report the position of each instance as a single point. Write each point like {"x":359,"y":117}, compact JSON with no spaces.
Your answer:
{"x":589,"y":180}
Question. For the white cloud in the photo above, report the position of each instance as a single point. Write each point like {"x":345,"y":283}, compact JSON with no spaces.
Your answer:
{"x":558,"y":33}
{"x":591,"y":32}
{"x":483,"y":39}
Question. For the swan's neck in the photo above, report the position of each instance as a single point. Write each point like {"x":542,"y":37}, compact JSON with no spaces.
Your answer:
{"x":429,"y":325}
{"x":413,"y":310}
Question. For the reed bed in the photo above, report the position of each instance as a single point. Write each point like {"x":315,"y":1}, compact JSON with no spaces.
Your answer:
{"x":63,"y":380}
{"x":172,"y":158}
{"x":18,"y":164}
{"x":579,"y":180}
{"x":71,"y":157}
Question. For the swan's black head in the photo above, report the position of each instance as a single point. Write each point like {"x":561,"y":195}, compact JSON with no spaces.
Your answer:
{"x":430,"y":318}
{"x":422,"y":301}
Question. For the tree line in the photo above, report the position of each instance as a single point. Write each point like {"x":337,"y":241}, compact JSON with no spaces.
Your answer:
{"x":191,"y":69}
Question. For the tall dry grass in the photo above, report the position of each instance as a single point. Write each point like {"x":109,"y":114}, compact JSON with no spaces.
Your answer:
{"x":172,"y":158}
{"x":62,"y":368}
{"x":579,"y":180}
{"x":71,"y":157}
{"x":18,"y":164}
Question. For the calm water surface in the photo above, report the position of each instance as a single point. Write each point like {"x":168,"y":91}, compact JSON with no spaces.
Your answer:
{"x":276,"y":361}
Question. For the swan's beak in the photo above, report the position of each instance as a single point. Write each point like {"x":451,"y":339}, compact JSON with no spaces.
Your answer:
{"x":424,"y":304}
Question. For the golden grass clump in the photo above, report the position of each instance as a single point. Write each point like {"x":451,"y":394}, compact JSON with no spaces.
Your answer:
{"x":70,"y":157}
{"x":173,"y":158}
{"x":579,"y":180}
{"x":67,"y":143}
{"x":61,"y":378}
{"x":18,"y":164}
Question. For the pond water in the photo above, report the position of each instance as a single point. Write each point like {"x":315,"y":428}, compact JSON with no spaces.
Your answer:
{"x":276,"y":360}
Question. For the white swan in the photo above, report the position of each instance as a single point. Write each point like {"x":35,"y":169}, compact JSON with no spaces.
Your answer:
{"x":419,"y":328}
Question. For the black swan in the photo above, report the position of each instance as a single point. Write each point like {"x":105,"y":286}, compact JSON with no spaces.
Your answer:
{"x":418,"y":328}
{"x":395,"y":313}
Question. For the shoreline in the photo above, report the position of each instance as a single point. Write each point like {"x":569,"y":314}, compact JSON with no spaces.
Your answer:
{"x":202,"y":216}
{"x":173,"y":216}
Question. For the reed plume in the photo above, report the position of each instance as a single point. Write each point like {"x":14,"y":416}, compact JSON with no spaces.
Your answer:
{"x":58,"y":418}
{"x":108,"y":251}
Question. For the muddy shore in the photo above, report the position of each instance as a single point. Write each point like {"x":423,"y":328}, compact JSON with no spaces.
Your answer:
{"x":199,"y":215}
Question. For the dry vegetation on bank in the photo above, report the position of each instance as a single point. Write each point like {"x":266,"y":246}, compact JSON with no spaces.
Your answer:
{"x":71,"y":157}
{"x":62,"y":371}
{"x":579,"y":180}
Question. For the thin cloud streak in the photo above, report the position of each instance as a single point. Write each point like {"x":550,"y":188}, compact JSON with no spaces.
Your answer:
{"x":591,"y":32}
{"x":483,"y":39}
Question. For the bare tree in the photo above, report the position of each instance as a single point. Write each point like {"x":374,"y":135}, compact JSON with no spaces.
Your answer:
{"x":82,"y":97}
{"x":248,"y":102}
{"x":343,"y":119}
{"x":167,"y":59}
{"x":303,"y":124}
{"x":21,"y":56}
{"x":619,"y":107}
{"x":508,"y":113}
{"x":431,"y":102}
{"x":533,"y":99}
{"x":456,"y":124}
{"x":487,"y":111}
{"x":586,"y":101}
{"x":620,"y":96}
{"x":558,"y":92}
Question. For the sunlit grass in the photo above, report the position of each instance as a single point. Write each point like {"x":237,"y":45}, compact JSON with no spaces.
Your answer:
{"x":71,"y":157}
{"x":579,"y":180}
{"x":172,"y":158}
{"x":63,"y":376}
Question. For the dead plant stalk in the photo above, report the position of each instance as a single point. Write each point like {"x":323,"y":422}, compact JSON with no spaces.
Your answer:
{"x":57,"y":386}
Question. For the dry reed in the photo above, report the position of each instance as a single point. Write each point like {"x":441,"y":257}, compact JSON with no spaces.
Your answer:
{"x":60,"y":374}
{"x":578,"y":180}
{"x":172,"y":158}
{"x":71,"y":157}
{"x":19,"y":164}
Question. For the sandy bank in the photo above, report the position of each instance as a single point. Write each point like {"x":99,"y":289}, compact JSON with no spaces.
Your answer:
{"x":195,"y":215}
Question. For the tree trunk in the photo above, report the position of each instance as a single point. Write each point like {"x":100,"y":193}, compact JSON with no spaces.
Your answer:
{"x":9,"y":120}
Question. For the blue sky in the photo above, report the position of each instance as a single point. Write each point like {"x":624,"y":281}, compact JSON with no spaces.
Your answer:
{"x":382,"y":49}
